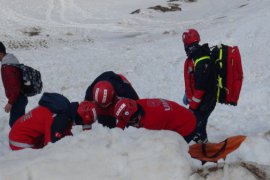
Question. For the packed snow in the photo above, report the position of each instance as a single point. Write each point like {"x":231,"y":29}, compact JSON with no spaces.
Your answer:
{"x":72,"y":42}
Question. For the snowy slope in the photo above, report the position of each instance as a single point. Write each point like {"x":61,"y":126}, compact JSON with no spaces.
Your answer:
{"x":72,"y":42}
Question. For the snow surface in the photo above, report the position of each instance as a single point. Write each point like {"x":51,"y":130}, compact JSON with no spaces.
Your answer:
{"x":78,"y":40}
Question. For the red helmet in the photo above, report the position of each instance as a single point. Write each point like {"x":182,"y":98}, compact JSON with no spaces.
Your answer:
{"x":87,"y":111}
{"x":124,"y":109}
{"x":103,"y":93}
{"x":190,"y":36}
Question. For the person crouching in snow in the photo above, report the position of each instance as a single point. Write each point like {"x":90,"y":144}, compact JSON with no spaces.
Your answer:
{"x":40,"y":126}
{"x":105,"y":91}
{"x":156,"y":114}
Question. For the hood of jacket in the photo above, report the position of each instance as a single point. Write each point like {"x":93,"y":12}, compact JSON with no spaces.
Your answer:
{"x":74,"y":115}
{"x":9,"y":59}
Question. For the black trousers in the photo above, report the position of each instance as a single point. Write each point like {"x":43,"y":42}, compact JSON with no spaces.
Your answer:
{"x":18,"y":109}
{"x":202,"y":120}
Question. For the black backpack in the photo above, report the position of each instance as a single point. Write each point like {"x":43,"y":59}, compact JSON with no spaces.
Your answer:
{"x":55,"y":102}
{"x":31,"y":80}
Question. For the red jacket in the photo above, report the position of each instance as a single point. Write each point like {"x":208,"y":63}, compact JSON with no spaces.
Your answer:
{"x":194,"y":95}
{"x":34,"y":129}
{"x":160,"y":114}
{"x":11,"y":78}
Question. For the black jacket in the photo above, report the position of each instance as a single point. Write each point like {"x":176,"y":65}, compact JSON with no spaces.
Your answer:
{"x":122,"y":88}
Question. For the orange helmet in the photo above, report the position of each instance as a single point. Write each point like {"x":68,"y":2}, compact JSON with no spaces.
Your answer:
{"x":103,"y":93}
{"x":125,"y":109}
{"x":191,"y":36}
{"x":87,"y":111}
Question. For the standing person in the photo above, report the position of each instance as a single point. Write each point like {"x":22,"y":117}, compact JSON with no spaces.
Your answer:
{"x":156,"y":114}
{"x":200,"y":88}
{"x":105,"y":91}
{"x":12,"y":81}
{"x":42,"y":125}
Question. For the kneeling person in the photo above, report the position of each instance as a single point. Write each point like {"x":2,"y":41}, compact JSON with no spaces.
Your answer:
{"x":105,"y":91}
{"x":41,"y":125}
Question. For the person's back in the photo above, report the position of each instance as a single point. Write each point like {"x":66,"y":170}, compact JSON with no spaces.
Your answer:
{"x":50,"y":121}
{"x":32,"y":130}
{"x":119,"y":82}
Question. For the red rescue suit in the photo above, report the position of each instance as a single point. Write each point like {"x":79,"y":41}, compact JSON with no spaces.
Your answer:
{"x":160,"y":114}
{"x":35,"y":130}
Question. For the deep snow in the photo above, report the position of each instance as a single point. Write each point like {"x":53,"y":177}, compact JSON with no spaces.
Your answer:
{"x":78,"y":40}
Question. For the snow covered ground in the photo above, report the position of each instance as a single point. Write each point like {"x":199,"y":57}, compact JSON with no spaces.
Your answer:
{"x":72,"y":42}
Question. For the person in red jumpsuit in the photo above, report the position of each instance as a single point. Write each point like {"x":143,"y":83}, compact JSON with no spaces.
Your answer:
{"x":40,"y":126}
{"x":156,"y":114}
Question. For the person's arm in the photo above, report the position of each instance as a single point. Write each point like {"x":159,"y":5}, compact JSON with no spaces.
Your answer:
{"x":188,"y":76}
{"x":107,"y":121}
{"x":60,"y":127}
{"x":11,"y":77}
{"x":123,"y":87}
{"x":89,"y":92}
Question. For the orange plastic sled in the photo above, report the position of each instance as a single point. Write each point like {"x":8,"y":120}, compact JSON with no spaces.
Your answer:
{"x":212,"y":152}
